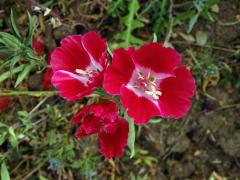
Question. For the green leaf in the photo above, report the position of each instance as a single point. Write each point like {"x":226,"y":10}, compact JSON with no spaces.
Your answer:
{"x":42,"y":178}
{"x":4,"y":172}
{"x":5,"y":64}
{"x":14,"y":27}
{"x":13,"y":62}
{"x":2,"y":137}
{"x":201,"y":38}
{"x":154,"y":37}
{"x":212,"y":2}
{"x":10,"y":41}
{"x":8,"y":74}
{"x":159,"y":22}
{"x":135,"y":40}
{"x":130,"y":22}
{"x":131,"y":135}
{"x":181,"y":17}
{"x":13,"y":138}
{"x":115,"y":7}
{"x":109,"y":50}
{"x":30,"y":30}
{"x":23,"y":74}
{"x":155,"y":121}
{"x":192,"y":22}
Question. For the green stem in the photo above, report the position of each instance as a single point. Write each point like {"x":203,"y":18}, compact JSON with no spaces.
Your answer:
{"x":28,"y":93}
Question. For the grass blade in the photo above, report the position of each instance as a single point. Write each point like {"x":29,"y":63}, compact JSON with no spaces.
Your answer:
{"x":14,"y":27}
{"x":26,"y":70}
{"x":7,"y":74}
{"x":4,"y":172}
{"x":131,"y":135}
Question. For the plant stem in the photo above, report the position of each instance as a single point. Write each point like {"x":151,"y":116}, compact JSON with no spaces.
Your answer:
{"x":28,"y":93}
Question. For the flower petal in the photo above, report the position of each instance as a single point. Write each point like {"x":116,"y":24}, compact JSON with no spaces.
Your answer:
{"x":94,"y":45}
{"x":70,"y":55}
{"x":112,"y":144}
{"x":119,"y":72}
{"x":4,"y":101}
{"x":37,"y":45}
{"x":78,"y":118}
{"x":89,"y":126}
{"x":176,"y":93}
{"x":46,"y":84}
{"x":107,"y":110}
{"x":71,"y":86}
{"x":157,"y":58}
{"x":139,"y":108}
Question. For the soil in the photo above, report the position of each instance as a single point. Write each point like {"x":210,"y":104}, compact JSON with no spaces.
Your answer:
{"x":204,"y":143}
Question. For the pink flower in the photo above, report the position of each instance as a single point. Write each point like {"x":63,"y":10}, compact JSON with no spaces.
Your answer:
{"x":103,"y":119}
{"x":4,"y":101}
{"x":37,"y":45}
{"x":78,"y":65}
{"x":150,"y":82}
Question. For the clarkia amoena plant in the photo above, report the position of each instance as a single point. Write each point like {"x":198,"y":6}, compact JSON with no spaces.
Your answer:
{"x":145,"y":82}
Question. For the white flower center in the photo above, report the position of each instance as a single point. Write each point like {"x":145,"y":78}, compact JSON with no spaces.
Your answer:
{"x":145,"y":83}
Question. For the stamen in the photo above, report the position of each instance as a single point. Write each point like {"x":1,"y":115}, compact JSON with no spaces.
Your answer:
{"x":159,"y":93}
{"x":140,"y":75}
{"x":80,"y":71}
{"x":148,"y":84}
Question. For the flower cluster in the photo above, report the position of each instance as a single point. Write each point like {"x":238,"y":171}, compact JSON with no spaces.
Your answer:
{"x":149,"y":82}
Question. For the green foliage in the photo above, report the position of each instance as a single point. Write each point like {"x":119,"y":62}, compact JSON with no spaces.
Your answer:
{"x":131,"y":23}
{"x":4,"y":172}
{"x":7,"y":133}
{"x":25,"y":119}
{"x":160,"y":19}
{"x":143,"y":158}
{"x":14,"y":27}
{"x":19,"y":51}
{"x":116,"y":8}
{"x":86,"y":164}
{"x":131,"y":135}
{"x":193,"y":10}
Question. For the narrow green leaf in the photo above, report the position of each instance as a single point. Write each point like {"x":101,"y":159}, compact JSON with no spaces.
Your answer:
{"x":4,"y":172}
{"x":13,"y":138}
{"x":23,"y":74}
{"x":131,"y":135}
{"x":9,"y":40}
{"x":154,"y":37}
{"x":14,"y":27}
{"x":155,"y":121}
{"x":4,"y":64}
{"x":13,"y":62}
{"x":2,"y":137}
{"x":30,"y":30}
{"x":109,"y":51}
{"x":7,"y":74}
{"x":192,"y":22}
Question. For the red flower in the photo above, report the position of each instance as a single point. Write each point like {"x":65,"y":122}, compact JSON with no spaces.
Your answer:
{"x":47,"y":79}
{"x":78,"y":65}
{"x":103,"y":119}
{"x":37,"y":45}
{"x":4,"y":101}
{"x":47,"y":76}
{"x":150,"y":82}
